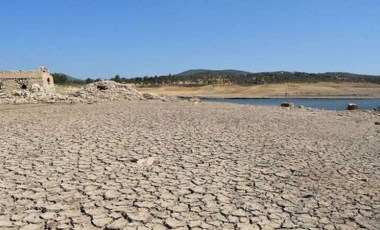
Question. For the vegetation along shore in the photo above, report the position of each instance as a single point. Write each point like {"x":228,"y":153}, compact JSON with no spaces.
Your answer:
{"x":242,"y":84}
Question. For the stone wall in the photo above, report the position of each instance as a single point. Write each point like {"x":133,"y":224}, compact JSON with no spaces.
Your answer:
{"x":22,"y":80}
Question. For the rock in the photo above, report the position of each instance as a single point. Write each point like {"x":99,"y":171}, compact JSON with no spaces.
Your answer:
{"x":151,"y":96}
{"x":35,"y":88}
{"x":21,"y":93}
{"x":146,"y":161}
{"x":196,"y":100}
{"x":149,"y":161}
{"x":287,"y":105}
{"x":102,"y":87}
{"x":352,"y":106}
{"x":377,"y":122}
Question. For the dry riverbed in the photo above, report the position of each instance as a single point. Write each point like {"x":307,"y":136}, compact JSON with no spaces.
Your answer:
{"x":180,"y":165}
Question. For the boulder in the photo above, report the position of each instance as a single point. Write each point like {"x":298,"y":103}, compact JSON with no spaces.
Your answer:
{"x":35,"y":88}
{"x":352,"y":106}
{"x":287,"y":105}
{"x":21,"y":93}
{"x":151,"y":96}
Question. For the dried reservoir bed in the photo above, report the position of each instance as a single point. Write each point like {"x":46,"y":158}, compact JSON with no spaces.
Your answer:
{"x":312,"y":90}
{"x":183,"y":165}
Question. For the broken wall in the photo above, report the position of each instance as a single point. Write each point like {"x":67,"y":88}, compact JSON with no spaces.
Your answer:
{"x":21,"y":80}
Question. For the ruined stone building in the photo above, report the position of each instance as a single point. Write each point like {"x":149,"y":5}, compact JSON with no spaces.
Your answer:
{"x":13,"y":80}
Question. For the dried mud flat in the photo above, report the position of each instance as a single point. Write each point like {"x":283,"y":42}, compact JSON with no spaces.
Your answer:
{"x":155,"y":165}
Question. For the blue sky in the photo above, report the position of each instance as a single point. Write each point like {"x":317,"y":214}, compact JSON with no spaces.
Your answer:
{"x":99,"y":38}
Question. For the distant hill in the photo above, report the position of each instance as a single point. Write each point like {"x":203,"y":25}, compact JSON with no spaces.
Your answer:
{"x":345,"y":74}
{"x":279,"y":73}
{"x":214,"y":72}
{"x":198,"y":77}
{"x":61,"y":78}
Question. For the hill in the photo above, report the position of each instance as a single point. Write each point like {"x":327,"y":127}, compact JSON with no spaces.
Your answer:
{"x":61,"y":79}
{"x":212,"y":72}
{"x":198,"y":77}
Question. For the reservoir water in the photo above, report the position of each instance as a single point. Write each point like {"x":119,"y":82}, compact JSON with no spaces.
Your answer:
{"x":319,"y":103}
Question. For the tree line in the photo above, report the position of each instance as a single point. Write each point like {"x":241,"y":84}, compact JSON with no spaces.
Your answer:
{"x":210,"y":78}
{"x":63,"y":79}
{"x":247,"y":79}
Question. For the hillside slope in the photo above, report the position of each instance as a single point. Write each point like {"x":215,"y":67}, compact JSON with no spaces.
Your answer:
{"x":199,"y":77}
{"x":212,"y":72}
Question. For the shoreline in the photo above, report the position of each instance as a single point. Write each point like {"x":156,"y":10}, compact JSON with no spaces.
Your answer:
{"x":263,"y":98}
{"x":290,"y":90}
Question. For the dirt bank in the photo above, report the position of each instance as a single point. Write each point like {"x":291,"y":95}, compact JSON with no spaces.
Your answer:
{"x":332,"y":90}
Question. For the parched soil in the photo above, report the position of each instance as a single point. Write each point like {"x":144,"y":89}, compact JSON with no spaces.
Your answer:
{"x":181,"y":165}
{"x":323,"y":89}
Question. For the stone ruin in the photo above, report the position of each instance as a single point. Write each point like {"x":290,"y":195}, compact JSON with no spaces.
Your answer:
{"x":91,"y":93}
{"x":19,"y":80}
{"x":30,"y":87}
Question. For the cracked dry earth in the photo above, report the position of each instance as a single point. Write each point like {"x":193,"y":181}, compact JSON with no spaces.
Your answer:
{"x":154,"y":165}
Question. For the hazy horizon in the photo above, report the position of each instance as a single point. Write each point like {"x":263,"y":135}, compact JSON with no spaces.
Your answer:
{"x":136,"y":38}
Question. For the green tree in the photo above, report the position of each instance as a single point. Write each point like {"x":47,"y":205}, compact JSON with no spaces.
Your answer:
{"x":89,"y":80}
{"x":117,"y":78}
{"x":60,"y":78}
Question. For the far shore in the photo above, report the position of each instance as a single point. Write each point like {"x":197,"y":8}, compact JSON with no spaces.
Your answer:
{"x":325,"y":90}
{"x":290,"y":97}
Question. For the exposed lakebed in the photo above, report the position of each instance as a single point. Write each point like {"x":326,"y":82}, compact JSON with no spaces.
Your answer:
{"x":144,"y":164}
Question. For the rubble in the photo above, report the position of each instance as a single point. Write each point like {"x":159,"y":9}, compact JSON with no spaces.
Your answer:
{"x":97,"y":91}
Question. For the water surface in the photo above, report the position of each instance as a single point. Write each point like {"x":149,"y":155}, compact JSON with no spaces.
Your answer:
{"x":319,"y":103}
